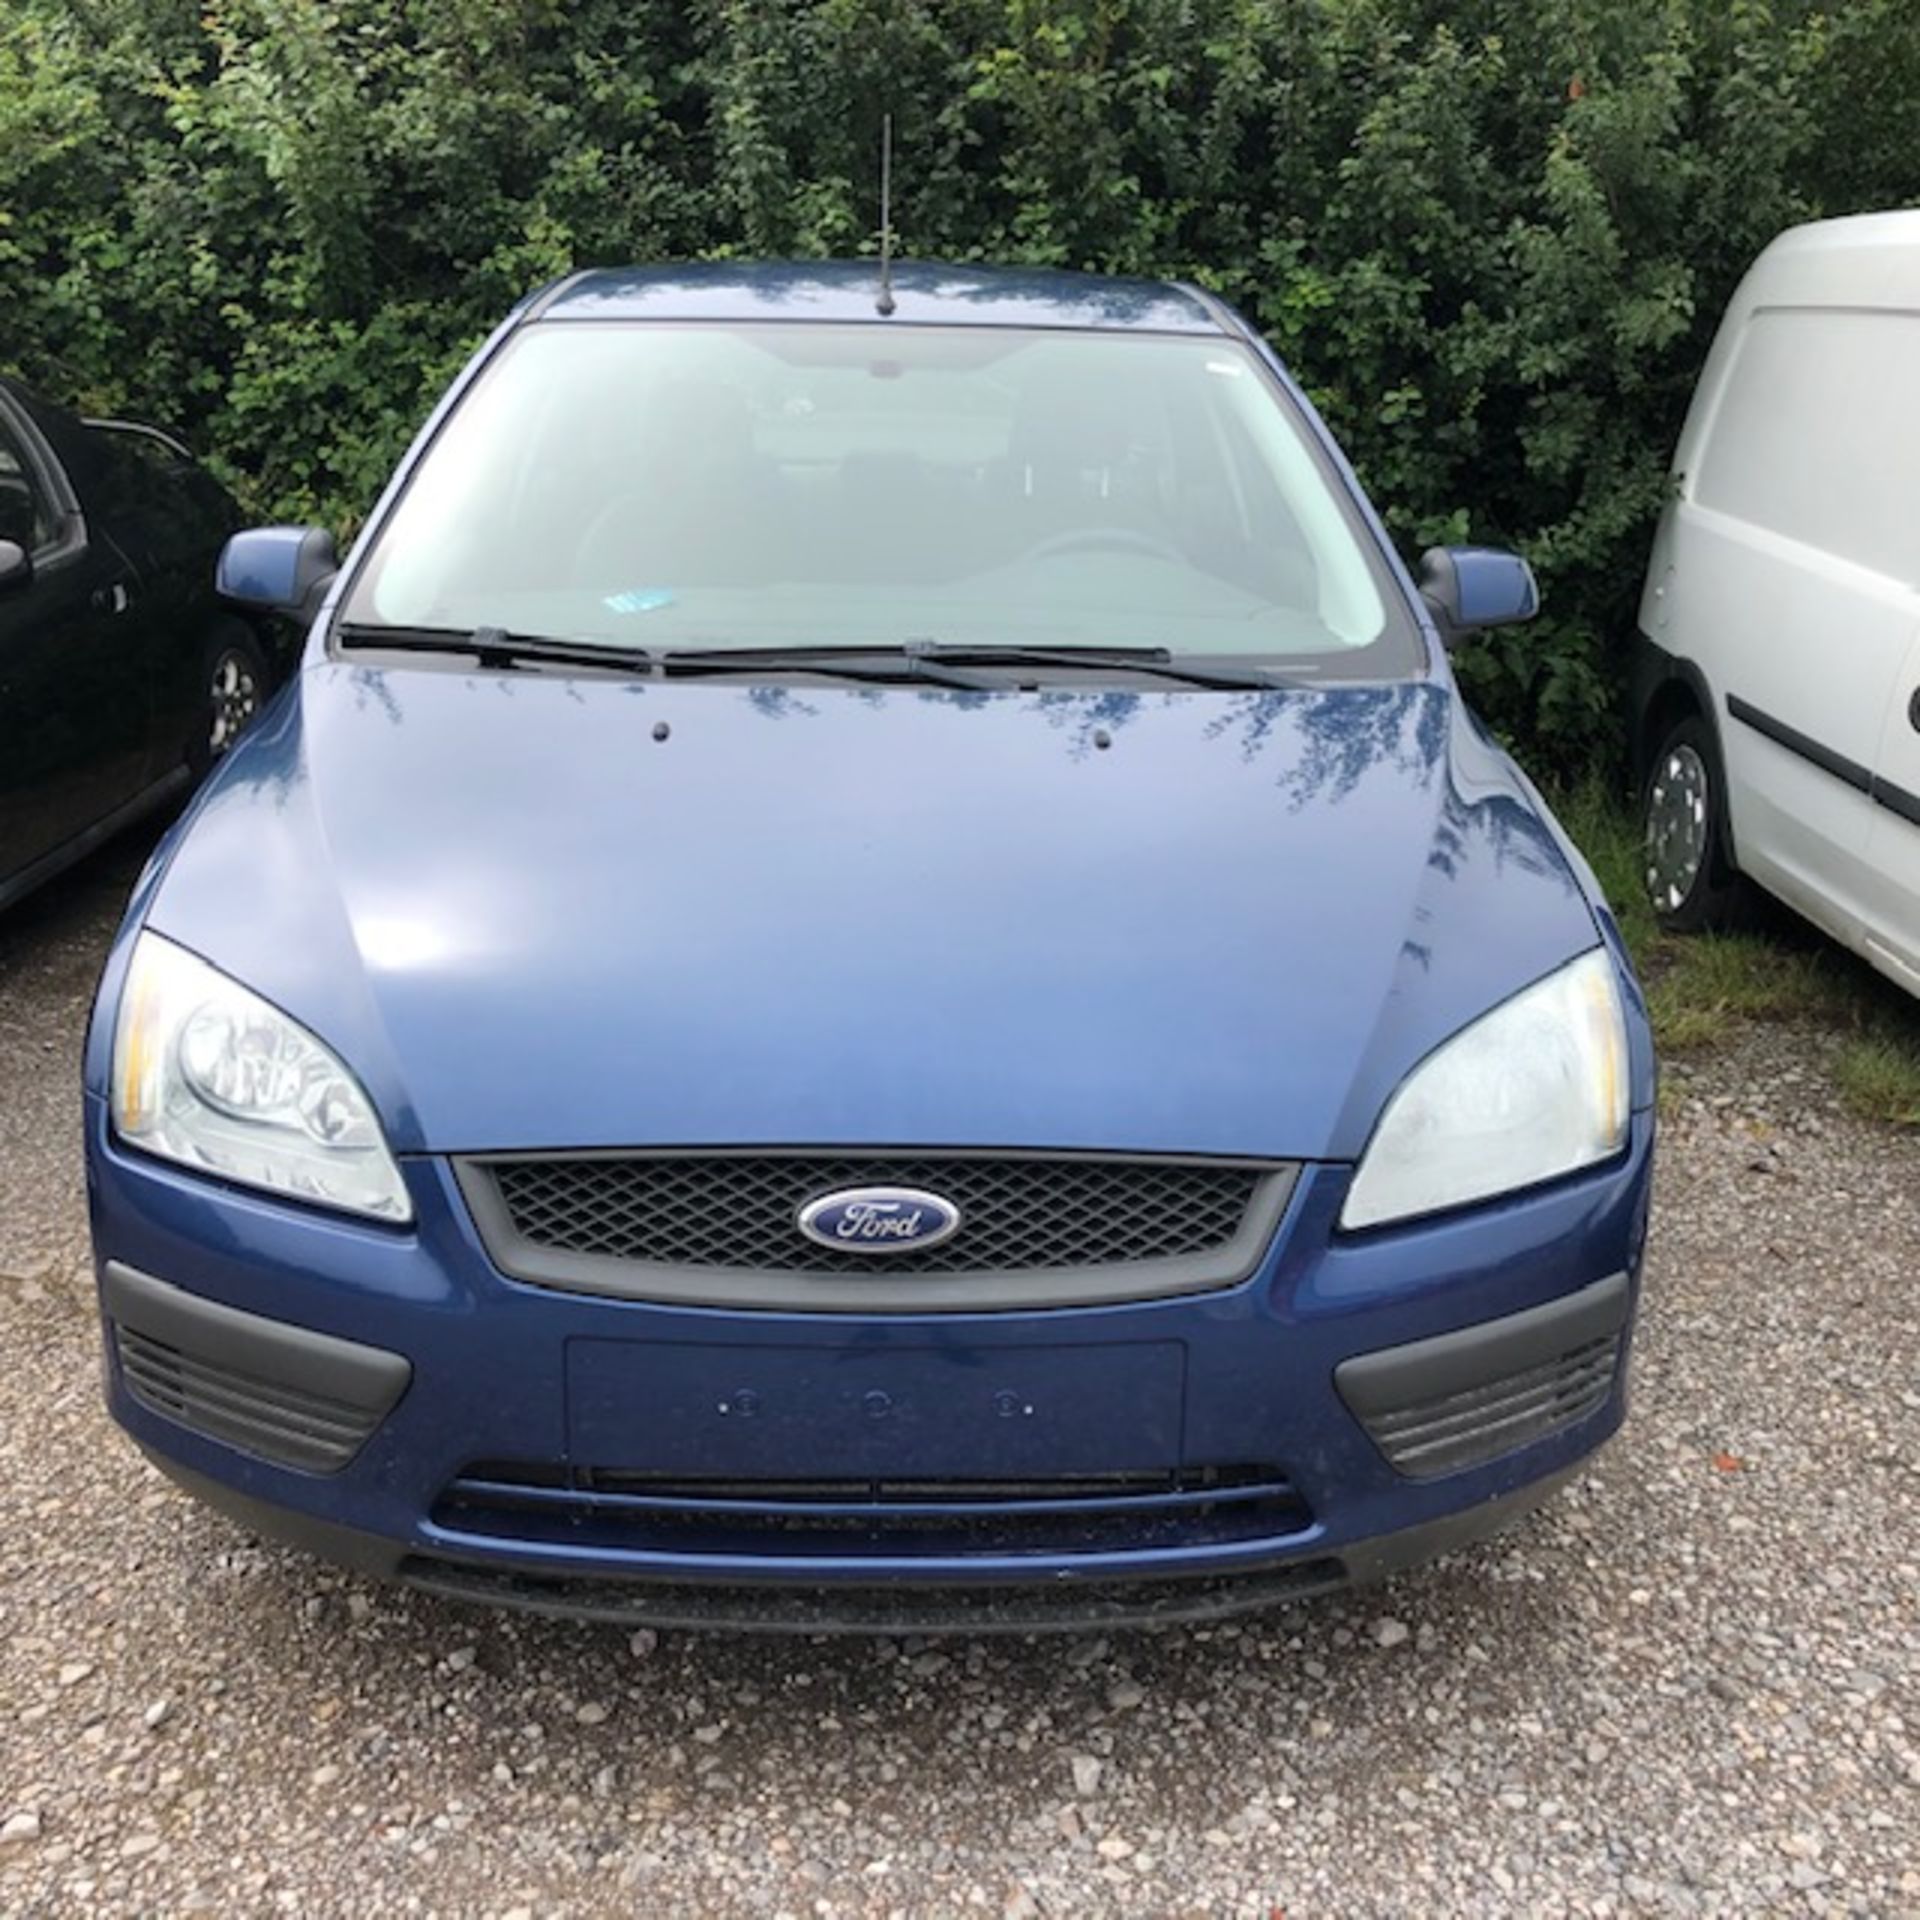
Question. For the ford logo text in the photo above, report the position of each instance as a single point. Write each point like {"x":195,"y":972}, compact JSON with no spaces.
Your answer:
{"x":879,"y":1220}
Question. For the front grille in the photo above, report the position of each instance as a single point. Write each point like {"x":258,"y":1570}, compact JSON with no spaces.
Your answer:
{"x":623,"y":1511}
{"x":279,"y":1423}
{"x":1022,"y":1214}
{"x":1456,"y":1430}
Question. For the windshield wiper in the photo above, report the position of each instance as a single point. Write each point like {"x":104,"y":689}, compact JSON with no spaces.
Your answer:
{"x":1160,"y":662}
{"x":930,"y":662}
{"x":877,"y":666}
{"x":935,"y":661}
{"x":495,"y":646}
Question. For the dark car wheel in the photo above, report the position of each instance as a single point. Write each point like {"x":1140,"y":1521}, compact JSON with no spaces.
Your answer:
{"x":236,"y":690}
{"x":1690,"y":880}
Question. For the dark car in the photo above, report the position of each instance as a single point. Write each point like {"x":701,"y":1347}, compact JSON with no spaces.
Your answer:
{"x":122,"y":677}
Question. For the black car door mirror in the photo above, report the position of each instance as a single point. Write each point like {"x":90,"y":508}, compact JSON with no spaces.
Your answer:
{"x":277,"y":569}
{"x":16,"y":565}
{"x":1473,"y":587}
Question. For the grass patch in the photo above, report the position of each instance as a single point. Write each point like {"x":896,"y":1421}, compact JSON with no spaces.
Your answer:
{"x":1879,"y":1075}
{"x":1701,"y":990}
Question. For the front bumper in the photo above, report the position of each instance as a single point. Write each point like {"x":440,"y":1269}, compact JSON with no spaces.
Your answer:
{"x":435,"y":1375}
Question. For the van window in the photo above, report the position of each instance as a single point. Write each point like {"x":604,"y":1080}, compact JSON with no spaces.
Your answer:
{"x":1815,"y":433}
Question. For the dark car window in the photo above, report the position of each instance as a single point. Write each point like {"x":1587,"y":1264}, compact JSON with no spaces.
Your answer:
{"x":846,"y":485}
{"x":161,"y":508}
{"x":25,"y":517}
{"x":133,"y":471}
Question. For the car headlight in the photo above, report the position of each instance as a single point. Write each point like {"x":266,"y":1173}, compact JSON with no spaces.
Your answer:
{"x":208,"y":1074}
{"x":1535,"y":1089}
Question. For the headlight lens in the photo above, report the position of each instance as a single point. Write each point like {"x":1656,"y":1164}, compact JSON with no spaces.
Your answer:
{"x":1534,"y":1089}
{"x":208,"y":1074}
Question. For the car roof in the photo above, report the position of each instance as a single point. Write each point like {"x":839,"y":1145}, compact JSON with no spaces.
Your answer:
{"x":926,"y":292}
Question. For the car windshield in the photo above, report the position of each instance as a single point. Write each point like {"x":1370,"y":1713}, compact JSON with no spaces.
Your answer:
{"x":812,"y":485}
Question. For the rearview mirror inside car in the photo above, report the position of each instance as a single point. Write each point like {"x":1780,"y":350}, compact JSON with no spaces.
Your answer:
{"x":277,"y":569}
{"x":1468,"y":588}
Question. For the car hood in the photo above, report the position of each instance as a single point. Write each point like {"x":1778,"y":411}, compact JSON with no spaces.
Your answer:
{"x":542,"y":911}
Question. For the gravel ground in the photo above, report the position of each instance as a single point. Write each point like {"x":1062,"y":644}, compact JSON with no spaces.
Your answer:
{"x":1690,"y":1686}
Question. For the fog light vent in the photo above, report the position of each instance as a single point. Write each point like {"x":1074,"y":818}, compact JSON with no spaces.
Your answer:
{"x":1462,"y":1429}
{"x":278,"y":1423}
{"x":1459,"y":1399}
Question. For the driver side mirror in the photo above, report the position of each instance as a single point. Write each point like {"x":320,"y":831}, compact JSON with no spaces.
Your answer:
{"x":277,"y":569}
{"x":1468,"y":588}
{"x":16,"y":566}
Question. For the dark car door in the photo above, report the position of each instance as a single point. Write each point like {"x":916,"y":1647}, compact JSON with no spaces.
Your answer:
{"x":170,"y":517}
{"x":74,"y":695}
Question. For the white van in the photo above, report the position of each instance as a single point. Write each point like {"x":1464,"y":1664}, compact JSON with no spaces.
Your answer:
{"x":1777,"y":671}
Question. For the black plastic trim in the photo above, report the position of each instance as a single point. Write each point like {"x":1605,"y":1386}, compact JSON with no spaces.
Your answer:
{"x":1078,"y":1606}
{"x":1468,"y":1429}
{"x":1897,"y":799}
{"x":367,"y":1381}
{"x":1394,"y":1378}
{"x":775,"y":1606}
{"x":923,"y":1292}
{"x":953,"y":1519}
{"x":1883,"y":793}
{"x":1804,"y":744}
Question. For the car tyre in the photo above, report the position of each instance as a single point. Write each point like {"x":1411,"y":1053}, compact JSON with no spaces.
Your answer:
{"x":1689,"y":874}
{"x":235,"y":682}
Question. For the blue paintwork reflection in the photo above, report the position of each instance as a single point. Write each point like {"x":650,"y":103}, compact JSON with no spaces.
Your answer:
{"x":924,"y":291}
{"x":529,"y":923}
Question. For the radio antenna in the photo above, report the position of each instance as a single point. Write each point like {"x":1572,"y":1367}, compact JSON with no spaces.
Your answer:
{"x":883,"y":300}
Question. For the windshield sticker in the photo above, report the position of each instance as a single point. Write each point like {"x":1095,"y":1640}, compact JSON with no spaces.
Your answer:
{"x":638,"y":600}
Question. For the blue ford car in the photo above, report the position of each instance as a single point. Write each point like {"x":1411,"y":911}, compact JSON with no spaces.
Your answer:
{"x":871,"y":977}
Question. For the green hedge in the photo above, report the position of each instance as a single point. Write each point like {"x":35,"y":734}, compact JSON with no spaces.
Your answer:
{"x":1491,"y":236}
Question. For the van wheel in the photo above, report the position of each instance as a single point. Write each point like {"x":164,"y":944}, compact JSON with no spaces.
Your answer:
{"x":1683,"y":818}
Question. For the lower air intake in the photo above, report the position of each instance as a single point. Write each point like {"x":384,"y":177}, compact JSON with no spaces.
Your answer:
{"x":1464,"y":1429}
{"x":279,"y":1423}
{"x":1460,"y":1399}
{"x":635,"y":1512}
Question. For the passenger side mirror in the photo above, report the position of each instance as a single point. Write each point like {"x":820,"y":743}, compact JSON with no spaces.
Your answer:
{"x":1473,"y":587}
{"x":16,"y":565}
{"x":277,"y":569}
